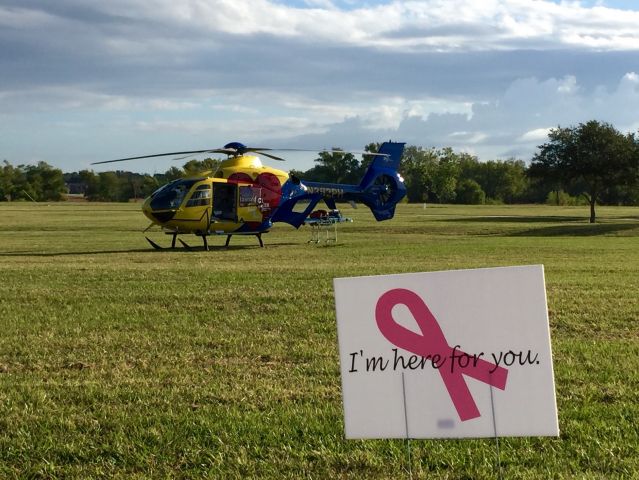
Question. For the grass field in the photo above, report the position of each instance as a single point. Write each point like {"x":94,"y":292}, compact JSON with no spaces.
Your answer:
{"x":123,"y":362}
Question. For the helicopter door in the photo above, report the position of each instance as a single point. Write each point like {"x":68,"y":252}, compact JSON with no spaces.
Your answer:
{"x":225,"y":201}
{"x":249,"y":209}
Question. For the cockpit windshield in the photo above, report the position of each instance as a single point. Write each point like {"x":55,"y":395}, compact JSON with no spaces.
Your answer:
{"x":171,"y":195}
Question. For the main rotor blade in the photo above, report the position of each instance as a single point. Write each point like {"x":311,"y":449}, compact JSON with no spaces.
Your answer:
{"x":330,"y":150}
{"x":261,"y":152}
{"x":232,"y":151}
{"x":159,"y":155}
{"x":356,"y":152}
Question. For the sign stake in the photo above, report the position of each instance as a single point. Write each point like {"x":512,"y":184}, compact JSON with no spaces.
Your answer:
{"x":407,"y":438}
{"x":500,"y":474}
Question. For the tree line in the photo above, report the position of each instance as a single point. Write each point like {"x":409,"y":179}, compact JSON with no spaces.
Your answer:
{"x":589,"y":163}
{"x":42,"y":182}
{"x":438,"y":176}
{"x":37,"y":183}
{"x":585,"y":164}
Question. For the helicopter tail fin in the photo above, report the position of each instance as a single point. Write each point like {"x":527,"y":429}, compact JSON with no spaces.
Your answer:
{"x":391,"y":155}
{"x":382,"y":187}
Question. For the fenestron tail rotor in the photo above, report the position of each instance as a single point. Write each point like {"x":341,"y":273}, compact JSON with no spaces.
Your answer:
{"x":386,"y":188}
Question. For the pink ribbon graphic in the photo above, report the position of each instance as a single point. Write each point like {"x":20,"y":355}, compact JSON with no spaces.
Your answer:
{"x":432,"y":341}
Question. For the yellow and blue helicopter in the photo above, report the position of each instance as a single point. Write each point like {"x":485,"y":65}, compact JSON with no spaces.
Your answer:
{"x":244,"y":197}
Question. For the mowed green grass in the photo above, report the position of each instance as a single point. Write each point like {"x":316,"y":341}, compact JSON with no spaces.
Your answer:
{"x":124,"y":362}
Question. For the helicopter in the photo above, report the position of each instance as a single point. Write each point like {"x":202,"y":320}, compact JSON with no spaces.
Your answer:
{"x":244,"y":197}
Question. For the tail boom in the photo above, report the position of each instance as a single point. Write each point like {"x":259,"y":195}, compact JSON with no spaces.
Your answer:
{"x":380,"y":189}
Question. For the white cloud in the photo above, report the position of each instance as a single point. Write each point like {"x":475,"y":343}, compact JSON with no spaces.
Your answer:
{"x":430,"y":25}
{"x":486,"y":76}
{"x":78,"y":98}
{"x":171,"y":105}
{"x":467,"y":138}
{"x":511,"y":125}
{"x":536,"y":135}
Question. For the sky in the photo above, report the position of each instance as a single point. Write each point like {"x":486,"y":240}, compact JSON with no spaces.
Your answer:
{"x":84,"y":81}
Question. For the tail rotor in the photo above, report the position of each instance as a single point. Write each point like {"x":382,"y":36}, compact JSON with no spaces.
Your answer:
{"x":386,"y":187}
{"x":382,"y":186}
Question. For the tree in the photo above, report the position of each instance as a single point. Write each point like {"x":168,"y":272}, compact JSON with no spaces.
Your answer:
{"x":51,"y":181}
{"x":91,"y":184}
{"x":173,"y":173}
{"x":444,"y":175}
{"x":39,"y":182}
{"x":588,"y":160}
{"x":149,"y":185}
{"x":417,"y":166}
{"x":503,"y":181}
{"x":335,"y":167}
{"x":108,"y":187}
{"x":195,"y":167}
{"x":469,"y":192}
{"x":7,"y":173}
{"x":431,"y":175}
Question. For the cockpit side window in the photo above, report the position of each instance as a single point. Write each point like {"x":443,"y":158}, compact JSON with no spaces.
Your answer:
{"x":201,"y":197}
{"x":171,"y":196}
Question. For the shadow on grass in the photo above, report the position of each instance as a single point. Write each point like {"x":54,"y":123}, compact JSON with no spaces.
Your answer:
{"x":569,"y":226}
{"x":513,"y":219}
{"x":192,"y":249}
{"x":577,"y":230}
{"x":63,"y":254}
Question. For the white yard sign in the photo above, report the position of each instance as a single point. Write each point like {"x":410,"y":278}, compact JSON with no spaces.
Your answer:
{"x":446,"y":354}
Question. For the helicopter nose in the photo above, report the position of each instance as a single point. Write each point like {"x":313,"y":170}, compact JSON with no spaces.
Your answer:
{"x":158,"y":217}
{"x":155,"y":216}
{"x":162,"y":217}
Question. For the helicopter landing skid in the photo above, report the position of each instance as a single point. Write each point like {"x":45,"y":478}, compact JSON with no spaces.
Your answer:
{"x":185,"y":245}
{"x":190,"y":248}
{"x":257,"y":235}
{"x":154,"y":245}
{"x":204,"y":239}
{"x":157,"y":247}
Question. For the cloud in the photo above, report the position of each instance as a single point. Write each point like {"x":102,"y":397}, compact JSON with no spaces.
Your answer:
{"x":174,"y":31}
{"x":535,"y":135}
{"x":442,"y":25}
{"x":511,"y":125}
{"x":483,"y":76}
{"x":157,"y":47}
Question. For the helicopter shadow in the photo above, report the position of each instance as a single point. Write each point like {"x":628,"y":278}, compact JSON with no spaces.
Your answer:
{"x":64,"y":254}
{"x":514,"y":219}
{"x":212,"y":248}
{"x":222,"y":248}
